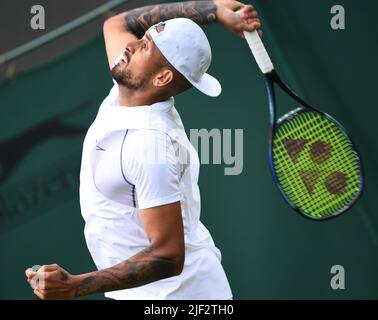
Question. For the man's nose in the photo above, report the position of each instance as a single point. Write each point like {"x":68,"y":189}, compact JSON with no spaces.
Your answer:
{"x":132,"y":46}
{"x":130,"y":49}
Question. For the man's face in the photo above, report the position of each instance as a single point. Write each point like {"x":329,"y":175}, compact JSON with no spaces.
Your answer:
{"x":137,"y":64}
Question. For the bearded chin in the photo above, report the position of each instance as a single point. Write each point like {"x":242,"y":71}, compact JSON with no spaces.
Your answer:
{"x":125,"y":78}
{"x":117,"y":75}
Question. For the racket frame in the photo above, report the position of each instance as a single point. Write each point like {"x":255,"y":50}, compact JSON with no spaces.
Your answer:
{"x":272,"y":79}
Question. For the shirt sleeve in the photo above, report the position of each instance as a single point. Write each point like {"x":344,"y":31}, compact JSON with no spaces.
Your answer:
{"x":150,"y":163}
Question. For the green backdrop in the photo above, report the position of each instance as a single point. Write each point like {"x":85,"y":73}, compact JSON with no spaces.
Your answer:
{"x":269,"y":251}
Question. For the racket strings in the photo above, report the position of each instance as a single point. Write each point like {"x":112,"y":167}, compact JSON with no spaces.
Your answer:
{"x":310,"y":176}
{"x":316,"y":165}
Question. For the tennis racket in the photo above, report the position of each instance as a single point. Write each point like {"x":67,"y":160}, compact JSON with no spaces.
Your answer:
{"x":314,"y":163}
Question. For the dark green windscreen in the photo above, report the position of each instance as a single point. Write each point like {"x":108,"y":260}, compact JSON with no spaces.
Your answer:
{"x":268,"y":251}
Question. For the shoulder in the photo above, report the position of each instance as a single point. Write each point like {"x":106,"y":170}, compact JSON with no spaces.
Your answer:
{"x":148,"y":148}
{"x":148,"y":140}
{"x":150,"y":162}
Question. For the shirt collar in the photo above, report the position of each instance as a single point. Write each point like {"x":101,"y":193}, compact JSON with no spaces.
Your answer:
{"x":164,"y":106}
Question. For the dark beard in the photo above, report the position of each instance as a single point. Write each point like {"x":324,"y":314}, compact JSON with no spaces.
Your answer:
{"x":126,"y":79}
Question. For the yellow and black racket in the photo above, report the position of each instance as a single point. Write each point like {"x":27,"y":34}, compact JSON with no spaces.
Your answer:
{"x":314,"y":163}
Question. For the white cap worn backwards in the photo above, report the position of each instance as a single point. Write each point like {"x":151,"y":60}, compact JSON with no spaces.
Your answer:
{"x":184,"y":44}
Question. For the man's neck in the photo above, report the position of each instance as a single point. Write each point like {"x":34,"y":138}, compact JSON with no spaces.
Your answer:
{"x":133,"y":98}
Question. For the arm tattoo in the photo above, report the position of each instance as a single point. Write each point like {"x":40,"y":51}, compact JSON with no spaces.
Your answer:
{"x":143,"y":268}
{"x":137,"y":21}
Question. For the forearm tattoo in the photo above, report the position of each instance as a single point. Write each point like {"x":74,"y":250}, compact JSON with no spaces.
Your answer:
{"x":143,"y":268}
{"x":139,"y":20}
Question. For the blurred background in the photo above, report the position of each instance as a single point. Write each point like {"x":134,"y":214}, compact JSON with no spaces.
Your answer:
{"x":49,"y":95}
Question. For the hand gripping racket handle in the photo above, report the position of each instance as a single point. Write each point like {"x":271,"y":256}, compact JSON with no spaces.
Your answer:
{"x":259,"y":51}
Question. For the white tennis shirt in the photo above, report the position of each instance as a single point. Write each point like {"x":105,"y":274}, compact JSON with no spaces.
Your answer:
{"x":136,"y":158}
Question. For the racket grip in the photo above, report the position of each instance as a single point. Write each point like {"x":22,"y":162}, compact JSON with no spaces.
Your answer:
{"x":259,"y":52}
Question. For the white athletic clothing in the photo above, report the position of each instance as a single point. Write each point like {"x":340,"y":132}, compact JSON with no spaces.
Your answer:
{"x":118,"y":178}
{"x":157,"y":183}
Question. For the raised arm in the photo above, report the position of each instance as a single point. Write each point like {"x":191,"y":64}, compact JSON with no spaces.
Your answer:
{"x":131,"y":25}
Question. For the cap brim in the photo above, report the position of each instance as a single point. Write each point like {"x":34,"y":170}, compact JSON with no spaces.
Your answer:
{"x":208,"y":85}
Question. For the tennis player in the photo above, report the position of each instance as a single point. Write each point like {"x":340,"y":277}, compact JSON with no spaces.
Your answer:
{"x":138,"y":182}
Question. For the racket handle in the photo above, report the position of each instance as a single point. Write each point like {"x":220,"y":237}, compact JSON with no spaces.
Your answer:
{"x":259,"y":51}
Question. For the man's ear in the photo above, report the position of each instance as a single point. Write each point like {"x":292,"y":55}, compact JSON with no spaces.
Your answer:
{"x":163,"y":78}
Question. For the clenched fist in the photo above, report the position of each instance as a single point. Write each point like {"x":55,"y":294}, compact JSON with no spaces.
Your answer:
{"x":51,"y":282}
